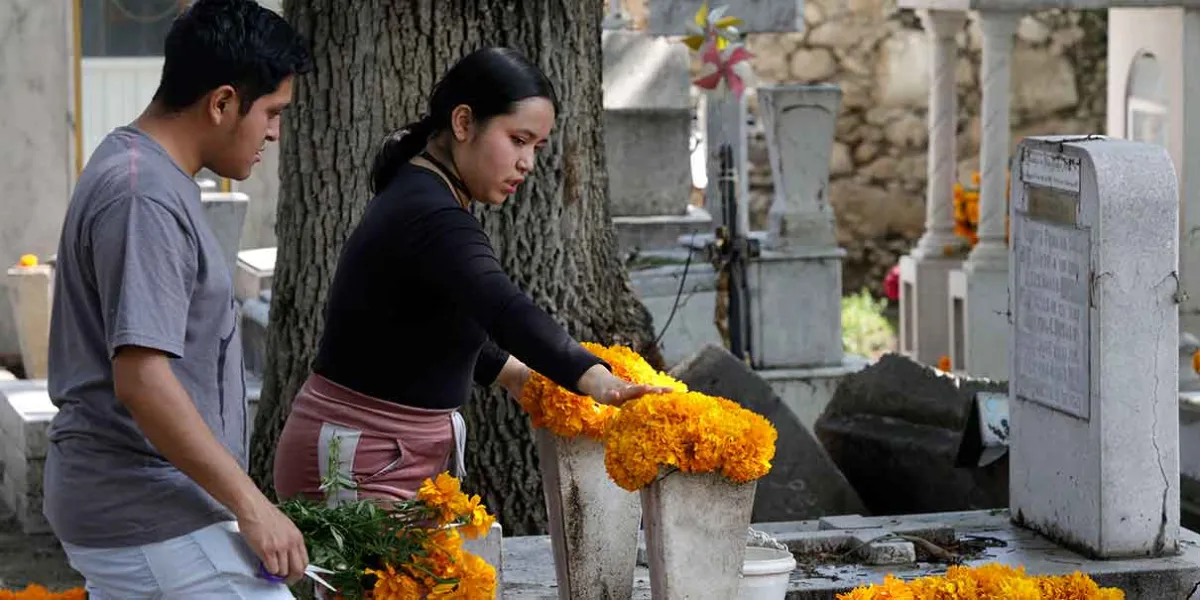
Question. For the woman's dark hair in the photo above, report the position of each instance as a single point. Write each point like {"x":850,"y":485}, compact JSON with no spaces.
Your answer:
{"x":490,"y":81}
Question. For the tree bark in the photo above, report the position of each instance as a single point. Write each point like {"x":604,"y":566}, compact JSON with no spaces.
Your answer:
{"x":376,"y":61}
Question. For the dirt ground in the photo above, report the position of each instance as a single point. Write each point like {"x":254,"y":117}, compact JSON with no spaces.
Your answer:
{"x":26,"y":559}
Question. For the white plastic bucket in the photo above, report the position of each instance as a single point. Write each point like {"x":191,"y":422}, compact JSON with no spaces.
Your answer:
{"x":765,"y":574}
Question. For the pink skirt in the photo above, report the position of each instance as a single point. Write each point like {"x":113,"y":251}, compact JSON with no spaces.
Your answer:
{"x":385,"y":449}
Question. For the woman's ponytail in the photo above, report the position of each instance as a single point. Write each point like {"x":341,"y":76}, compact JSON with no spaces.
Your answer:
{"x":397,"y":149}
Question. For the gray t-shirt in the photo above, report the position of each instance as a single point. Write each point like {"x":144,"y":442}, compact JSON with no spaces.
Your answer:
{"x":137,"y":265}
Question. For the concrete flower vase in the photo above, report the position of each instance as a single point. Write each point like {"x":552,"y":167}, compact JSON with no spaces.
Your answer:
{"x":696,"y":534}
{"x":31,"y":292}
{"x":593,"y":523}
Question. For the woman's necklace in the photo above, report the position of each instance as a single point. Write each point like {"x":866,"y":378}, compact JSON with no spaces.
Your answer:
{"x":449,"y":174}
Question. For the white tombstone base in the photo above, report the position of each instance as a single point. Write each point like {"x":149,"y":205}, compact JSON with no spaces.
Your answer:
{"x":796,"y":308}
{"x":978,"y":321}
{"x":808,"y":391}
{"x":924,"y":307}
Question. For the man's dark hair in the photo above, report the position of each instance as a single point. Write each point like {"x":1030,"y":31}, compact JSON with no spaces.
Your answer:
{"x":228,"y":42}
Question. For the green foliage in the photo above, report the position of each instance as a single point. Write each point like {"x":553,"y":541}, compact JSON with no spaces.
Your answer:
{"x":865,"y":329}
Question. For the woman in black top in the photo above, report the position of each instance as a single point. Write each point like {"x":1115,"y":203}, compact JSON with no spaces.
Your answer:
{"x":420,"y":307}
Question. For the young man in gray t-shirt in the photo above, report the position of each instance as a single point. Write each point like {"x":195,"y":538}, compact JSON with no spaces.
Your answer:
{"x":145,"y":480}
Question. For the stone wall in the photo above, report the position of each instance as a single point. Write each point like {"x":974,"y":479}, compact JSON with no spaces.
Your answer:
{"x":878,"y":54}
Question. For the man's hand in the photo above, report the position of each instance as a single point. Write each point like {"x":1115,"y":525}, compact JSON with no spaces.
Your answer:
{"x":275,"y":540}
{"x":606,"y":388}
{"x":163,"y":410}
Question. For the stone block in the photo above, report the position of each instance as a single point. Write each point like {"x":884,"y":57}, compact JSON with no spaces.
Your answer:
{"x":894,"y":430}
{"x":803,"y":481}
{"x":671,"y":17}
{"x":808,"y":391}
{"x":649,"y":169}
{"x":255,"y":313}
{"x":25,"y":414}
{"x":681,"y":306}
{"x":653,"y":233}
{"x":796,"y":309}
{"x":255,"y":272}
{"x":226,"y":212}
{"x":647,"y":124}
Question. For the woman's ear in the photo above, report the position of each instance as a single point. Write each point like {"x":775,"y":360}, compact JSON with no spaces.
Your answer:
{"x":462,"y":122}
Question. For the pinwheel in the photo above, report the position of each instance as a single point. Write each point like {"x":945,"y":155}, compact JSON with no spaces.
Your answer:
{"x":712,"y":25}
{"x":722,"y":54}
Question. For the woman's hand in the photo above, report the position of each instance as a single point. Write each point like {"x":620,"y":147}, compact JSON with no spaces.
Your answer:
{"x":513,"y":376}
{"x":606,"y":388}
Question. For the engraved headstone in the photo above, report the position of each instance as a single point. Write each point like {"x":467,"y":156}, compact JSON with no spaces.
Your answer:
{"x":1094,"y":452}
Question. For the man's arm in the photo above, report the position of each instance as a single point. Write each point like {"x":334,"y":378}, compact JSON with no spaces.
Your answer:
{"x":163,"y":410}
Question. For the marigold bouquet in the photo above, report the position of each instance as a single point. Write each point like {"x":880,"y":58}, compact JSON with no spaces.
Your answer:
{"x":987,"y":582}
{"x":34,"y":591}
{"x":684,"y":430}
{"x":398,"y":550}
{"x":567,"y":414}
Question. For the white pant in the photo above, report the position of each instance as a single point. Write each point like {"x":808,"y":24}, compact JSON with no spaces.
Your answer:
{"x":210,"y":563}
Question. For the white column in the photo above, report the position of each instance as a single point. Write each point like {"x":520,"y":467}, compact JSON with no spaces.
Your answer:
{"x":942,"y":27}
{"x":983,"y":336}
{"x":998,"y":28}
{"x":924,"y":273}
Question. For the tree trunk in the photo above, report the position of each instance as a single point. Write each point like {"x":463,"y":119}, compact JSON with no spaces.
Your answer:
{"x":376,"y":61}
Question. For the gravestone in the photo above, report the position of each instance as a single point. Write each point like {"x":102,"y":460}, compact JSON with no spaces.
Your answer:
{"x":647,"y":124}
{"x":1094,"y":389}
{"x":801,"y":261}
{"x":803,"y":482}
{"x":25,"y":414}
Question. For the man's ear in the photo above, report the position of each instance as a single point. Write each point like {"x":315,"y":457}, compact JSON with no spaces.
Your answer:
{"x":222,"y":104}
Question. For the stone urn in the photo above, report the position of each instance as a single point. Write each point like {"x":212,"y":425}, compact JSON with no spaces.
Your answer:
{"x":696,"y":534}
{"x":593,"y":522}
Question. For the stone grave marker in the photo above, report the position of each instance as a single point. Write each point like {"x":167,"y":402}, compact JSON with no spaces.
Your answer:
{"x":25,"y":414}
{"x":1095,"y":334}
{"x":803,"y":482}
{"x":647,"y":124}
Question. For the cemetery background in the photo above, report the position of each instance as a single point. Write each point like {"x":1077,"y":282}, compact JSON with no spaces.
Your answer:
{"x":879,"y":57}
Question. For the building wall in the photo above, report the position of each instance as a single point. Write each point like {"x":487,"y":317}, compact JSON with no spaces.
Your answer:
{"x":37,"y":145}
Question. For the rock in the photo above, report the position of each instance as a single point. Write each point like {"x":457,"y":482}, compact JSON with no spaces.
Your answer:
{"x":839,"y":161}
{"x":907,"y":130}
{"x":802,"y":483}
{"x":1046,"y":83}
{"x":812,"y":65}
{"x":894,"y":430}
{"x":1031,"y":30}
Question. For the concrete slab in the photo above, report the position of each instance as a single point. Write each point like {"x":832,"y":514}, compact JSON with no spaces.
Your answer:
{"x":529,"y":566}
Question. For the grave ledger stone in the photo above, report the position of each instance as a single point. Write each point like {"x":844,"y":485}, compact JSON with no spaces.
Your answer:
{"x":1094,"y":300}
